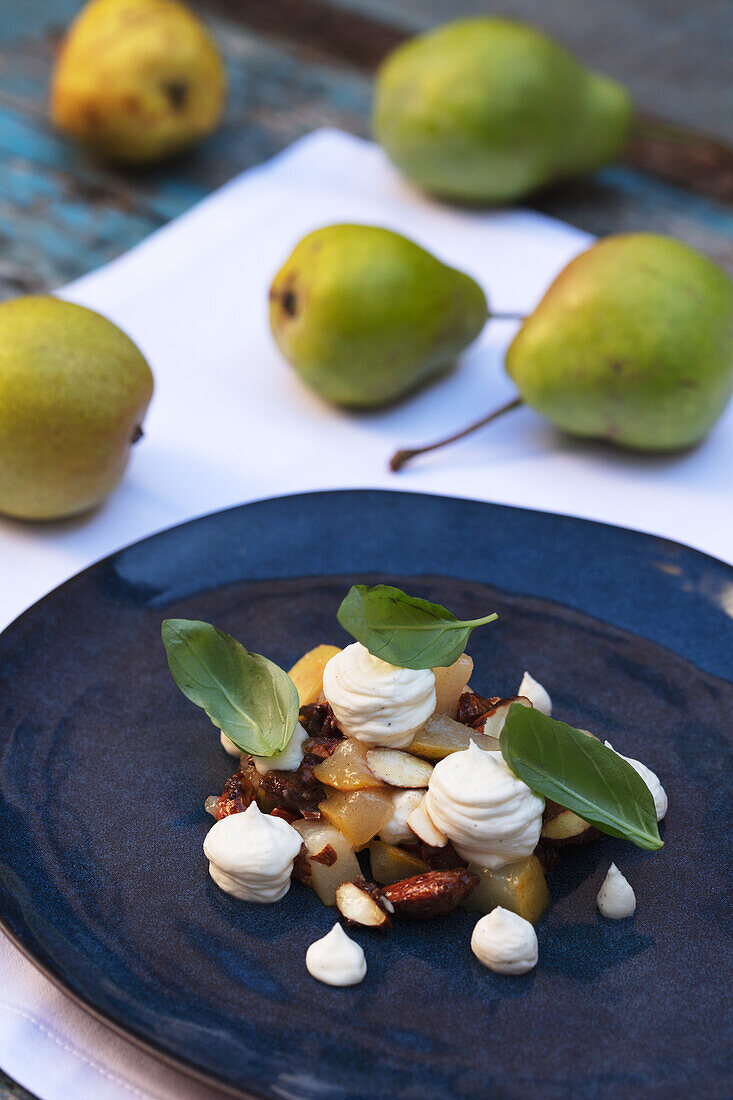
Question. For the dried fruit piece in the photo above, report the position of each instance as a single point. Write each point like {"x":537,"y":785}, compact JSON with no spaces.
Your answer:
{"x":307,"y":673}
{"x":398,"y":768}
{"x":472,"y":708}
{"x":432,"y":894}
{"x":423,"y":827}
{"x":297,"y":790}
{"x":548,"y":855}
{"x":318,"y":720}
{"x":316,"y":867}
{"x":346,"y":768}
{"x":445,"y":858}
{"x":322,"y":747}
{"x":359,"y":903}
{"x":520,"y":887}
{"x":359,"y":815}
{"x":238,"y":793}
{"x":390,"y":863}
{"x":287,"y":815}
{"x":450,"y":682}
{"x":440,"y":736}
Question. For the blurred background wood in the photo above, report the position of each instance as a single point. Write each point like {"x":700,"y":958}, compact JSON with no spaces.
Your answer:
{"x":298,"y":64}
{"x":674,"y":56}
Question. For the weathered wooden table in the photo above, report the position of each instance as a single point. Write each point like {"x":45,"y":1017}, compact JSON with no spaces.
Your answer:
{"x":298,"y":64}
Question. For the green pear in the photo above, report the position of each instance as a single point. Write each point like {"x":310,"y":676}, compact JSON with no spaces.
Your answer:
{"x":489,"y":110}
{"x":365,"y":315}
{"x":137,"y":80}
{"x":73,"y":393}
{"x":632,"y":343}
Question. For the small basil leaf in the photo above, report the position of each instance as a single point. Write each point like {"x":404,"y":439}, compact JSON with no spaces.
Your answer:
{"x":246,"y":696}
{"x":404,"y":630}
{"x":581,"y":774}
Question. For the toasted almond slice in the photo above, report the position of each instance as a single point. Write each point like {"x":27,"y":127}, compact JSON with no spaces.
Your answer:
{"x":357,"y":906}
{"x":496,"y":717}
{"x":424,"y":828}
{"x":567,"y":827}
{"x":432,"y":894}
{"x":398,"y":768}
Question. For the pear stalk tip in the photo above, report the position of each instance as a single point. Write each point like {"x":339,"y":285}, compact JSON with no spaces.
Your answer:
{"x":402,"y":457}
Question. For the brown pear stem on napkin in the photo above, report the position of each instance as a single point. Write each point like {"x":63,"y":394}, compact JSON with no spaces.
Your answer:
{"x":401,"y":458}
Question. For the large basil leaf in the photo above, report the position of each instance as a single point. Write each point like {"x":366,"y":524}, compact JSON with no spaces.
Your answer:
{"x":404,"y":630}
{"x":580,"y":773}
{"x":253,"y":701}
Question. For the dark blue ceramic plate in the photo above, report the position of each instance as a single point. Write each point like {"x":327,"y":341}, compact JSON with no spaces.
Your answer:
{"x":105,"y":767}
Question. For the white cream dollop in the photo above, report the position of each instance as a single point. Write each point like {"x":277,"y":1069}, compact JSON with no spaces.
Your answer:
{"x":538,"y":695}
{"x":397,"y":831}
{"x":490,"y":815}
{"x":505,"y":942}
{"x":336,"y":959}
{"x":376,"y":702}
{"x":251,"y":855}
{"x":228,"y":745}
{"x":616,"y":898}
{"x":651,"y":779}
{"x":288,"y":759}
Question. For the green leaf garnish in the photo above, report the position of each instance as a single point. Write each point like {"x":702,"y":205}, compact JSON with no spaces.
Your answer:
{"x":404,"y":630}
{"x":246,"y":696}
{"x":581,"y":774}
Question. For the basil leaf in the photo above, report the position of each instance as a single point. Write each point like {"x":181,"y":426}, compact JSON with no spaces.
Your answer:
{"x":246,"y":696}
{"x":580,"y":774}
{"x":404,"y":630}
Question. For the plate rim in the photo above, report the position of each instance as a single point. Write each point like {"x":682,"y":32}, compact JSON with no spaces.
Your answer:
{"x":127,"y":1032}
{"x":362,"y":489}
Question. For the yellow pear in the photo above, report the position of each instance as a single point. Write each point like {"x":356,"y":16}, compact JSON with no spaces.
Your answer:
{"x":137,"y":80}
{"x":73,"y":393}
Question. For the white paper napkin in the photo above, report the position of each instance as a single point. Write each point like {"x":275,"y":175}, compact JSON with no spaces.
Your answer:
{"x":230,"y":422}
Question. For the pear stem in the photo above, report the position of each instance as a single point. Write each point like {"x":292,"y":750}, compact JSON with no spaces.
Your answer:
{"x":507,"y":316}
{"x":401,"y":458}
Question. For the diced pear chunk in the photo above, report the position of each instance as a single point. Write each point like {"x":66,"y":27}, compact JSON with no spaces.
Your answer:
{"x":398,"y":768}
{"x":359,"y":815}
{"x":450,"y":682}
{"x":347,"y":769}
{"x":423,"y":827}
{"x":325,"y":841}
{"x":392,"y":864}
{"x":307,"y":673}
{"x":440,"y":736}
{"x":520,"y":887}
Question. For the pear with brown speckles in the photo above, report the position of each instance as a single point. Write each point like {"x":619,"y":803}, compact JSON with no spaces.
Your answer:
{"x":137,"y":80}
{"x":73,"y":393}
{"x":365,"y":315}
{"x":632,"y":343}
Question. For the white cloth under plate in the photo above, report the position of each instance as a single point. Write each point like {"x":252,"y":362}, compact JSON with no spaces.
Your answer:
{"x":230,"y":422}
